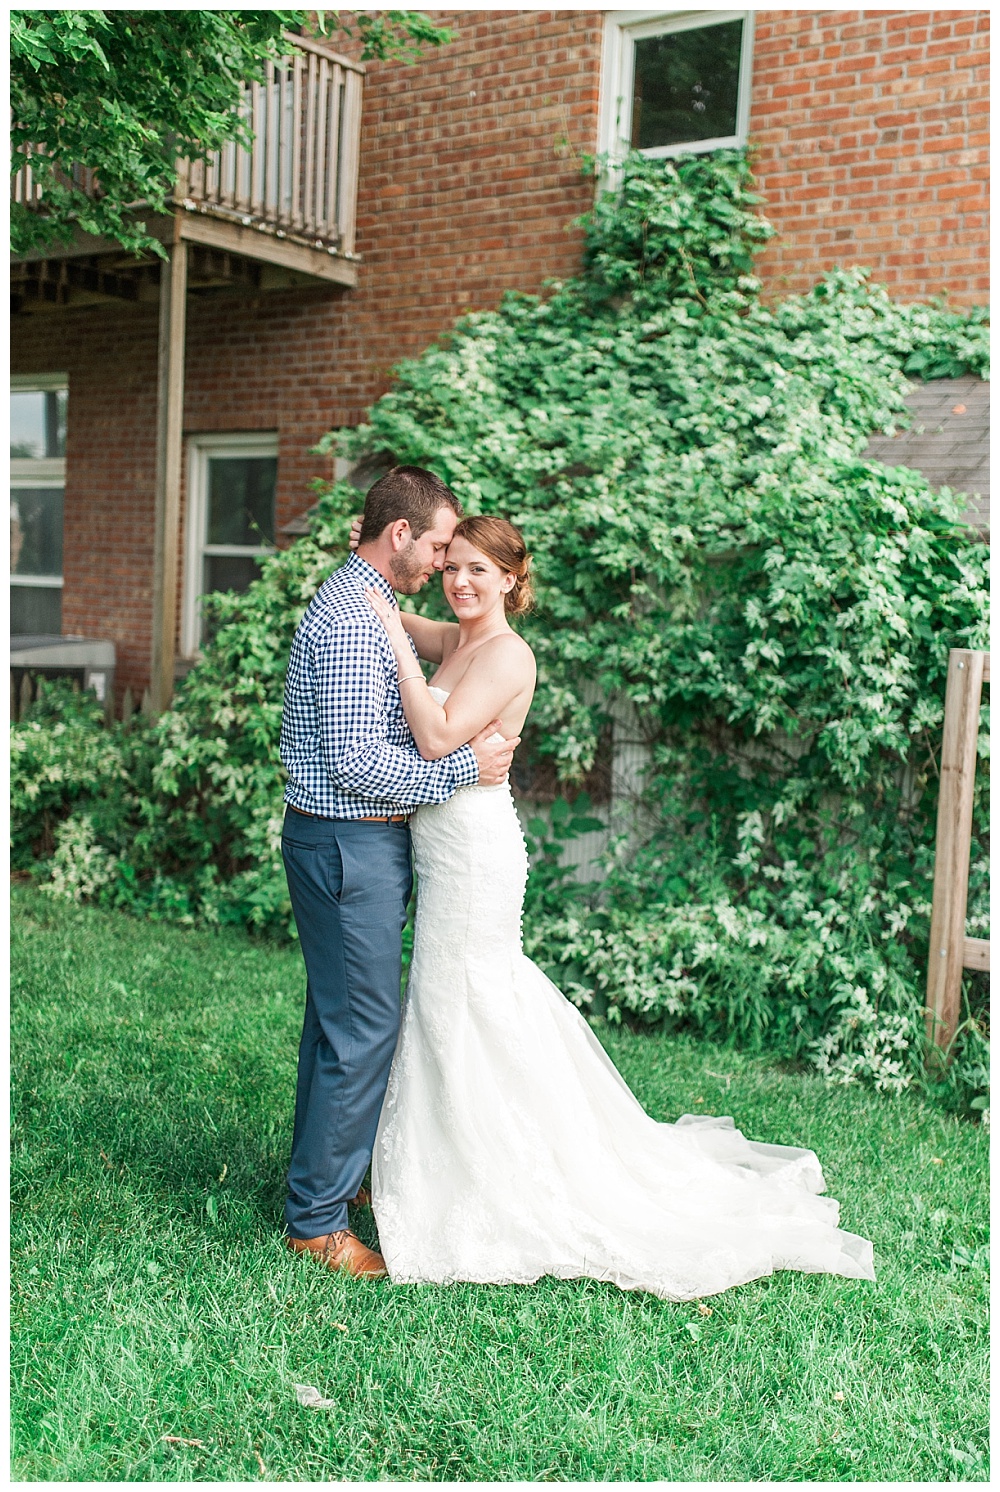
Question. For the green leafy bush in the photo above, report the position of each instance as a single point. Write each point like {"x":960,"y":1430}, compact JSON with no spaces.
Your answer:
{"x":716,"y":560}
{"x":193,"y":819}
{"x":64,"y":761}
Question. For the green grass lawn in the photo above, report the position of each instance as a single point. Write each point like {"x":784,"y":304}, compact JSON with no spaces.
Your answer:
{"x":153,"y":1297}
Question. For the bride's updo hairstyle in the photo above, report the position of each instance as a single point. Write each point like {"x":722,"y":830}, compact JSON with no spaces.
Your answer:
{"x":501,"y":542}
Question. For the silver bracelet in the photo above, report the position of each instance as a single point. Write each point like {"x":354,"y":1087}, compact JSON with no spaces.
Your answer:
{"x":406,"y":678}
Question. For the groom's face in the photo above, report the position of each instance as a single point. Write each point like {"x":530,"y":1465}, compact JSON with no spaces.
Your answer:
{"x":415,"y":561}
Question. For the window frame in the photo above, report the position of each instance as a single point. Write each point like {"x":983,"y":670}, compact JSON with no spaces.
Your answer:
{"x":46,"y":471}
{"x":622,"y":29}
{"x":200,"y":449}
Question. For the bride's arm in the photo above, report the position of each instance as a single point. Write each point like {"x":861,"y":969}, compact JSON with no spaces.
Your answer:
{"x":430,"y":638}
{"x":499,"y":671}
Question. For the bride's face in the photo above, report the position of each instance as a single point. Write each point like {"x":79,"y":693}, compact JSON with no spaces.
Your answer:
{"x":474,"y":585}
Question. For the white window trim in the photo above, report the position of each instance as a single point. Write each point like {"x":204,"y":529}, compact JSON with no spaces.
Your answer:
{"x":50,"y":471}
{"x":622,"y":28}
{"x":200,"y":448}
{"x":38,"y":383}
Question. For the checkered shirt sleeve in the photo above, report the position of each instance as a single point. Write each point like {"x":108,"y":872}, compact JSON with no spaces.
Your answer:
{"x":344,"y":739}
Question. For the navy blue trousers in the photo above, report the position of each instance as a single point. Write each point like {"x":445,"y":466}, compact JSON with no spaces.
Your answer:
{"x":349,"y":884}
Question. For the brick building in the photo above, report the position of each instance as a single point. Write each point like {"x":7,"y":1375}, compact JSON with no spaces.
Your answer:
{"x":161,"y":420}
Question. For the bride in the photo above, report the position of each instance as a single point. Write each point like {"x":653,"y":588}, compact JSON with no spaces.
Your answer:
{"x":509,"y":1147}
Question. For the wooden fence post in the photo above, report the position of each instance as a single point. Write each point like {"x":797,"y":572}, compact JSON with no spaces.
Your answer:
{"x":950,"y":949}
{"x":169,"y":455}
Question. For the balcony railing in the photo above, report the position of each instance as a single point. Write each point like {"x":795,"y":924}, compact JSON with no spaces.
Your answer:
{"x":24,"y":188}
{"x":299,"y":178}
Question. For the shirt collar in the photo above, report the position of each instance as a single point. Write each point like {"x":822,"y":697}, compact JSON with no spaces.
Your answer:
{"x":359,"y":569}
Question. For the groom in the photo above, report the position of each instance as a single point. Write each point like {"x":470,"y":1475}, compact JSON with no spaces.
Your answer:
{"x":354,"y":778}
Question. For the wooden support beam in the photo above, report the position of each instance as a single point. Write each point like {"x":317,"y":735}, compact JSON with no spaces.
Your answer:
{"x":237,"y":238}
{"x":212,"y":267}
{"x":89,"y":245}
{"x":59,"y":283}
{"x":169,"y":451}
{"x":977,"y":954}
{"x":68,"y":275}
{"x":100,"y":282}
{"x":40,"y":292}
{"x":265,"y":242}
{"x":948,"y":942}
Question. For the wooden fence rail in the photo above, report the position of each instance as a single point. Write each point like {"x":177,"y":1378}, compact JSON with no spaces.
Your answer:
{"x":32,"y":687}
{"x":950,"y":950}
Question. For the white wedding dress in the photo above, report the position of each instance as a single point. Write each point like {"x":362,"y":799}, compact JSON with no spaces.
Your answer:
{"x":509,"y":1147}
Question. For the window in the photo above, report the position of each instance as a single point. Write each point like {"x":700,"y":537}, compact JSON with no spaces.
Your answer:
{"x":230,"y":528}
{"x":674,"y":82}
{"x":37,"y":484}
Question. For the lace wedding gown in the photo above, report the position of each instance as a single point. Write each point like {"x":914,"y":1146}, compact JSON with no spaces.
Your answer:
{"x":509,"y":1147}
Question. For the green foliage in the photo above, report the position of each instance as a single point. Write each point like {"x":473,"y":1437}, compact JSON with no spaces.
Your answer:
{"x":127,"y":92}
{"x":192,"y":833}
{"x":389,"y":35}
{"x":699,"y":236}
{"x":553,"y":884}
{"x":722,"y":575}
{"x":64,"y":761}
{"x":211,"y":820}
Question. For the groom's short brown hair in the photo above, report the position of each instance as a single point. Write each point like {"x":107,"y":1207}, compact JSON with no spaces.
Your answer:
{"x":406,"y":492}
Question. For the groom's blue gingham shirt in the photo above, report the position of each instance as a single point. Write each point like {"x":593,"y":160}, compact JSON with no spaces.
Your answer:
{"x":345,"y":742}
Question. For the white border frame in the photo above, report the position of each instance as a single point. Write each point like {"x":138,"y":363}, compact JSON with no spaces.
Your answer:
{"x":200,"y":448}
{"x":48,"y":471}
{"x":622,"y":28}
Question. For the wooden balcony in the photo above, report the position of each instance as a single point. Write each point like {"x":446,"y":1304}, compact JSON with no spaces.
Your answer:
{"x":274,"y":216}
{"x":288,"y":201}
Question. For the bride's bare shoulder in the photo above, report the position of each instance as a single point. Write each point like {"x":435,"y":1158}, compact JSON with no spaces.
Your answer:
{"x":512,"y":653}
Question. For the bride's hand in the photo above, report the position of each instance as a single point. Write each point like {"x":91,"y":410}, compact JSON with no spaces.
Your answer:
{"x":389,"y":617}
{"x":355,"y":534}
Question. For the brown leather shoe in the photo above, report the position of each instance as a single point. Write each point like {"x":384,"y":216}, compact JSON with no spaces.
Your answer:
{"x":363,"y":1199}
{"x":342,"y":1251}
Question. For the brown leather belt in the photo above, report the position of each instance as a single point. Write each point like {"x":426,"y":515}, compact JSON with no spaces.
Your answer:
{"x":375,"y":818}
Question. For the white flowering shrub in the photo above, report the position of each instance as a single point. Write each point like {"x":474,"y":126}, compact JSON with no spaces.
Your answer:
{"x":80,"y":866}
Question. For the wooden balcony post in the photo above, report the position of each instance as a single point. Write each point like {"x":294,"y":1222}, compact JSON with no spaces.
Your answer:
{"x":954,"y":840}
{"x":298,"y":68}
{"x":350,"y":149}
{"x":169,"y":450}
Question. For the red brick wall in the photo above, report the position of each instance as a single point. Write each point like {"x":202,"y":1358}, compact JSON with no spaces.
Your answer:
{"x":470,"y":175}
{"x":469,"y":180}
{"x":110,"y":469}
{"x":873,"y":147}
